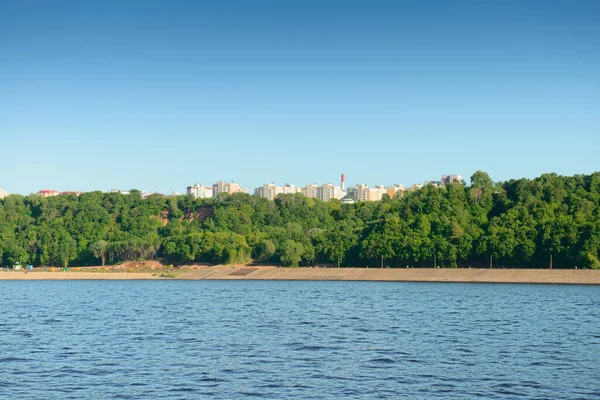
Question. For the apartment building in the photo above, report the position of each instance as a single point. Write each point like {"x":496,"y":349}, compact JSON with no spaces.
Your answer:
{"x":48,"y":193}
{"x":375,"y":193}
{"x":327,"y":192}
{"x":3,"y":193}
{"x":433,"y":183}
{"x":310,"y":191}
{"x":270,"y":191}
{"x":199,"y":191}
{"x":227,"y":187}
{"x":366,"y":193}
{"x":266,"y":191}
{"x":448,"y":179}
{"x":360,"y":192}
{"x":393,"y":190}
{"x":286,"y":189}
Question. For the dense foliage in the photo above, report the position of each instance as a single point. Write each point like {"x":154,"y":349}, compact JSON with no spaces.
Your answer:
{"x":519,"y":223}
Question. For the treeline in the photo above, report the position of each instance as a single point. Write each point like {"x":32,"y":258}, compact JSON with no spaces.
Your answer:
{"x":519,"y":223}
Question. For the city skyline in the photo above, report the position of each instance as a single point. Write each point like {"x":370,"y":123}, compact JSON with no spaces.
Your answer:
{"x":201,"y":190}
{"x":156,"y":95}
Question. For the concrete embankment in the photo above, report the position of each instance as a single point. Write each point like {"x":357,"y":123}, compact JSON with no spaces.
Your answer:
{"x":588,"y":277}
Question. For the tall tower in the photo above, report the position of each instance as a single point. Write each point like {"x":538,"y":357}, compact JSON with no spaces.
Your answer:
{"x":343,"y":183}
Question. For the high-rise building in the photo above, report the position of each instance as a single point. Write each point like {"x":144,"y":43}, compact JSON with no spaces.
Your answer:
{"x":199,"y":191}
{"x":310,"y":191}
{"x":287,"y":189}
{"x":266,"y":191}
{"x":392,"y":190}
{"x":361,"y":192}
{"x":3,"y":193}
{"x":365,"y":193}
{"x":270,"y":191}
{"x":227,"y":187}
{"x":375,"y":193}
{"x":327,"y":192}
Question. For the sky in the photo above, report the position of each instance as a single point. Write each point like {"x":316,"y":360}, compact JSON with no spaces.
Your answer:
{"x":160,"y":95}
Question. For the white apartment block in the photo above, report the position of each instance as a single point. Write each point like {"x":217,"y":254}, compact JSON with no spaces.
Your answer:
{"x":328,"y":192}
{"x":286,"y":189}
{"x":270,"y":191}
{"x":199,"y":191}
{"x":325,"y":192}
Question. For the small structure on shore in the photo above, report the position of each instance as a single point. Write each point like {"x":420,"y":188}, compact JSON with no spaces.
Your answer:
{"x":17,"y":266}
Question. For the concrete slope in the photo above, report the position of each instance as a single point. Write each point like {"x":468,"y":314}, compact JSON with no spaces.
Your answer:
{"x":400,"y":274}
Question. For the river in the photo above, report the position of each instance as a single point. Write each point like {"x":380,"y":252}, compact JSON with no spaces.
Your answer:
{"x":302,"y":340}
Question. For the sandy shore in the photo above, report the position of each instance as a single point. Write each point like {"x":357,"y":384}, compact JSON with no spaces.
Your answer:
{"x":72,"y":275}
{"x":589,"y":277}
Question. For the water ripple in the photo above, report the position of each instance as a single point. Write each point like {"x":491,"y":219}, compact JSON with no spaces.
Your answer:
{"x":289,"y":340}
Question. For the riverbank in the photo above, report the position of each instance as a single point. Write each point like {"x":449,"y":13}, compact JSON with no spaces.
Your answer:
{"x":75,"y":275}
{"x":586,"y":277}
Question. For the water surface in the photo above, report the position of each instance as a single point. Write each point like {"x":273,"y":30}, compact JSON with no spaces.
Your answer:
{"x":281,"y":340}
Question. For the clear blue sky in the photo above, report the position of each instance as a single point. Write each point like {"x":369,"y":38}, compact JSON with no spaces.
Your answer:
{"x":158,"y":95}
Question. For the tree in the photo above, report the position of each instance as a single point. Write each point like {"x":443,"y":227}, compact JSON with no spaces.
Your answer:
{"x":291,"y":253}
{"x":481,"y":189}
{"x":520,"y":223}
{"x":264,"y":250}
{"x":99,"y":250}
{"x":67,"y":248}
{"x":339,"y":240}
{"x":14,"y":253}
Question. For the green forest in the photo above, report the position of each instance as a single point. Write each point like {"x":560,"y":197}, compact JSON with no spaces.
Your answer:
{"x":515,"y":224}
